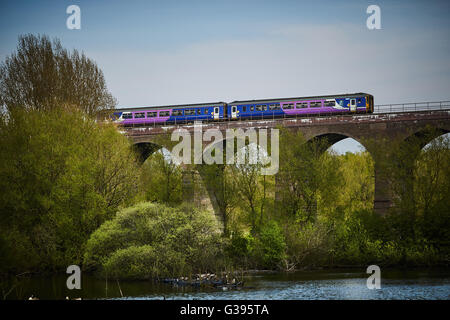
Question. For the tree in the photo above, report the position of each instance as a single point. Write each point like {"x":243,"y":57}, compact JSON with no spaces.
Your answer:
{"x":61,"y":176}
{"x":251,"y":186}
{"x":220,"y":184}
{"x":43,"y":75}
{"x":305,"y":170}
{"x":162,"y":179}
{"x":152,"y":240}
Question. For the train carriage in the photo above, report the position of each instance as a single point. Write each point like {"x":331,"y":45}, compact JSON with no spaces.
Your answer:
{"x":170,"y":114}
{"x":268,"y":108}
{"x":248,"y":109}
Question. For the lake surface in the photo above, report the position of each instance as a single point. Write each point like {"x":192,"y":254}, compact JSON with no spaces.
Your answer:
{"x":306,"y":285}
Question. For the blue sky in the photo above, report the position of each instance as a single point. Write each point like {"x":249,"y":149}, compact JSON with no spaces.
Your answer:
{"x":170,"y":52}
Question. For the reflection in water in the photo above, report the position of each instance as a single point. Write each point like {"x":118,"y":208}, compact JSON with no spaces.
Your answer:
{"x":323,"y":285}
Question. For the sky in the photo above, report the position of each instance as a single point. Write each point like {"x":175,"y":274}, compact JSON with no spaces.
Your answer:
{"x":176,"y":52}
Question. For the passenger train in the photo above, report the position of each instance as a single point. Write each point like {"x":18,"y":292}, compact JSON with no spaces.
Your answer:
{"x":247,"y":110}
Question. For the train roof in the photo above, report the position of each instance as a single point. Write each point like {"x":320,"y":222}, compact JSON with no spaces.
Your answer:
{"x":349,"y":95}
{"x":171,"y":106}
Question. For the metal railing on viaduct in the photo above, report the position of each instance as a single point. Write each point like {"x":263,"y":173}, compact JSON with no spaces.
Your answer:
{"x":412,"y":107}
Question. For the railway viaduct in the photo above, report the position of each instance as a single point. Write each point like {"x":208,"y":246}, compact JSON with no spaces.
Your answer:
{"x":388,"y":123}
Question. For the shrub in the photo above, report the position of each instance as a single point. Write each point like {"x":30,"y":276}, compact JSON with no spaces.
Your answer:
{"x":152,"y":241}
{"x":270,"y":245}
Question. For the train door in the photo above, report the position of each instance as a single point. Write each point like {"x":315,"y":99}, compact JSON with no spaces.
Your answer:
{"x":352,"y":104}
{"x":216,"y":113}
{"x":233,"y":112}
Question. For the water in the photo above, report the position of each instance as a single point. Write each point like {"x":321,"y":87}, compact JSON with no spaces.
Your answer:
{"x":324,"y":285}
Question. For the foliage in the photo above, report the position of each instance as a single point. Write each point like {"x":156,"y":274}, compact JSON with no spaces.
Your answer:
{"x":62,"y":175}
{"x":161,"y":180}
{"x":152,"y":240}
{"x":305,"y":170}
{"x":270,"y":246}
{"x":219,"y":181}
{"x":42,"y":75}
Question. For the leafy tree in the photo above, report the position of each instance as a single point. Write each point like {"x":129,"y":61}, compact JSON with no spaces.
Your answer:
{"x":62,"y":175}
{"x":152,"y":240}
{"x":252,"y":187}
{"x":42,"y":75}
{"x":304,"y":170}
{"x":220,"y":184}
{"x":162,"y":179}
{"x":432,"y":189}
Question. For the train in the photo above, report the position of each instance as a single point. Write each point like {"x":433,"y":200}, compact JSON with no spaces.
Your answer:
{"x":246,"y":109}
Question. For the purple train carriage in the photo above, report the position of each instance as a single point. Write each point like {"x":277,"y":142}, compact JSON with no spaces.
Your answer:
{"x":247,"y":110}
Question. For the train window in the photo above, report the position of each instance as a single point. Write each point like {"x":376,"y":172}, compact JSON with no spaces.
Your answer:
{"x":151,"y":114}
{"x":264,"y":107}
{"x":302,"y":105}
{"x":205,"y":111}
{"x":316,"y":104}
{"x":189,"y":112}
{"x":288,"y":106}
{"x":274,"y":106}
{"x":359,"y":100}
{"x":164,"y":113}
{"x":352,"y":102}
{"x":139,"y":115}
{"x":177,"y":112}
{"x":252,"y":108}
{"x":244,"y":109}
{"x":199,"y":111}
{"x":329,"y":103}
{"x":127,"y":116}
{"x":259,"y":108}
{"x":341,"y":103}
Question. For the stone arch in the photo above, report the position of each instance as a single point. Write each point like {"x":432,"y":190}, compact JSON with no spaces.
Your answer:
{"x":145,"y":150}
{"x":335,"y":137}
{"x":381,"y":197}
{"x":425,"y":135}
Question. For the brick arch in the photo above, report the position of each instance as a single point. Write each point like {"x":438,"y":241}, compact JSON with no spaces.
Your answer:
{"x":423,"y":136}
{"x":334,"y":137}
{"x":145,"y":150}
{"x":382,"y":198}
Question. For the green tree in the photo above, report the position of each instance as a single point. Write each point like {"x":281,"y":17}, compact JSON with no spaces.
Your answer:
{"x":42,"y":75}
{"x":304,"y":170}
{"x":152,"y":240}
{"x":162,"y":179}
{"x":62,"y":175}
{"x":252,"y":187}
{"x":221,"y":185}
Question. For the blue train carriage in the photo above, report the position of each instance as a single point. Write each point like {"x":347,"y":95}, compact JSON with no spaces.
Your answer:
{"x":170,"y":114}
{"x":198,"y":112}
{"x":272,"y":108}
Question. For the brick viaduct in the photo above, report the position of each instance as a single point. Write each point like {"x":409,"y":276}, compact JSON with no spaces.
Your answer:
{"x":361,"y":127}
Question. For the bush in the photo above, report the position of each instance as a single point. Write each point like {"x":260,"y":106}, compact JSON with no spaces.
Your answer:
{"x":270,"y":246}
{"x":152,"y":241}
{"x":240,"y":248}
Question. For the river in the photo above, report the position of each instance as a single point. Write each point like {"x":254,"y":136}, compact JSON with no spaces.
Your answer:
{"x":306,"y":285}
